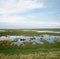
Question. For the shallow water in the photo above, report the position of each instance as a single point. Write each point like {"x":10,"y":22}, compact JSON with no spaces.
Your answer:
{"x":37,"y":39}
{"x":2,"y":30}
{"x":48,"y":31}
{"x":42,"y":31}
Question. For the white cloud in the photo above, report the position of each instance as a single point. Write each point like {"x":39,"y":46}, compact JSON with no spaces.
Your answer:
{"x":27,"y":21}
{"x":8,"y":7}
{"x":15,"y":6}
{"x":13,"y":19}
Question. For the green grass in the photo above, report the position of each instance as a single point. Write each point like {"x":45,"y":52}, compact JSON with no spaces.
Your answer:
{"x":29,"y":49}
{"x":44,"y":51}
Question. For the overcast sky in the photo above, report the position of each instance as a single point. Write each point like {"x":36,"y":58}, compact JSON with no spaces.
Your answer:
{"x":29,"y":14}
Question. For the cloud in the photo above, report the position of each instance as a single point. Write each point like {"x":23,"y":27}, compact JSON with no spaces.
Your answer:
{"x":13,"y":19}
{"x":30,"y":25}
{"x":28,"y":13}
{"x":16,"y":6}
{"x":20,"y":21}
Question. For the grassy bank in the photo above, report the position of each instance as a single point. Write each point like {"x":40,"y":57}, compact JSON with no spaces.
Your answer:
{"x":29,"y":49}
{"x":44,"y":51}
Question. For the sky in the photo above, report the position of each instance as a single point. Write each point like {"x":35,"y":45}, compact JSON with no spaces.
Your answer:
{"x":29,"y":14}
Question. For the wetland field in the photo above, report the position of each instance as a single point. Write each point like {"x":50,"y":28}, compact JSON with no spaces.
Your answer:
{"x":30,"y":43}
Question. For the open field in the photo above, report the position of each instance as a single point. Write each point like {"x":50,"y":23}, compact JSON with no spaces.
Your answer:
{"x":37,"y":51}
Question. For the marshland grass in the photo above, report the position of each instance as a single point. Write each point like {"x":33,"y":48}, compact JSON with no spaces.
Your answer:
{"x":27,"y":33}
{"x":50,"y":55}
{"x":41,"y":51}
{"x":28,"y":49}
